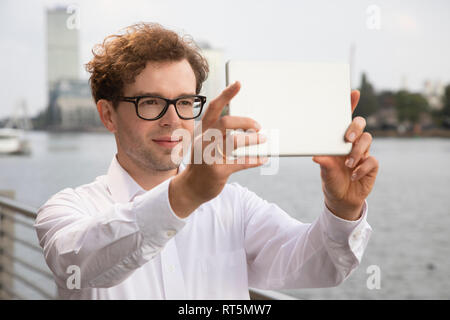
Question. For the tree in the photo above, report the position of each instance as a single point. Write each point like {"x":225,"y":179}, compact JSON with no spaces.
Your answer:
{"x":445,"y":112}
{"x":368,"y":103}
{"x":446,"y":102}
{"x":386,"y":99}
{"x":410,"y":106}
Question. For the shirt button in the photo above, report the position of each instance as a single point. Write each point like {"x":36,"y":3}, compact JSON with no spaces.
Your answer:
{"x":171,"y":268}
{"x":170,"y":233}
{"x":356,"y":234}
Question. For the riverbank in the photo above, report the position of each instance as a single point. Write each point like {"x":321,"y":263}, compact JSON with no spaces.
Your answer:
{"x":436,"y":133}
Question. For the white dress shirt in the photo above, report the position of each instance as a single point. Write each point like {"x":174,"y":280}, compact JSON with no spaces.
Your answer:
{"x":129,"y":244}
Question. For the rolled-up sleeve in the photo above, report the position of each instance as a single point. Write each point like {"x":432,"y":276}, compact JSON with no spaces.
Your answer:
{"x":284,"y":253}
{"x":106,"y":245}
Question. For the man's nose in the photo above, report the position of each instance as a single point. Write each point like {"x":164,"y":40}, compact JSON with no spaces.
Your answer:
{"x":170,"y":118}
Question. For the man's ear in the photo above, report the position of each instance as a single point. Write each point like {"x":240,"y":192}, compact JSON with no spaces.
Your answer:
{"x":107,"y":114}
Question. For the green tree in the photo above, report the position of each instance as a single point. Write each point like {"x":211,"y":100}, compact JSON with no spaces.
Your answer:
{"x":386,"y":99}
{"x":446,"y":102}
{"x":410,"y":105}
{"x":443,"y":115}
{"x":368,"y":102}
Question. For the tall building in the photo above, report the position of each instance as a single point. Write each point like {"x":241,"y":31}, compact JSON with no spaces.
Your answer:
{"x":434,"y":92}
{"x":62,"y":47}
{"x":70,"y":104}
{"x":404,"y":83}
{"x":215,"y":82}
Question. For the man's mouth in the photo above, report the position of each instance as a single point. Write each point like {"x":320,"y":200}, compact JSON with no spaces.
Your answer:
{"x":167,"y":142}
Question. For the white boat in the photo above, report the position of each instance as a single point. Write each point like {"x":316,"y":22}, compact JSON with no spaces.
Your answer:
{"x":12,"y":141}
{"x":13,"y":135}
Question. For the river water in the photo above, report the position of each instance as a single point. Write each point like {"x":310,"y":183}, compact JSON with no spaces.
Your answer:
{"x":409,"y":207}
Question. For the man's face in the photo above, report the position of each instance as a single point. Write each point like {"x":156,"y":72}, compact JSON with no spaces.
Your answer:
{"x":135,"y":136}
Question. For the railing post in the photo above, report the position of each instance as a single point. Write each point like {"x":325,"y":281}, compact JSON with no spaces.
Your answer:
{"x":6,"y":244}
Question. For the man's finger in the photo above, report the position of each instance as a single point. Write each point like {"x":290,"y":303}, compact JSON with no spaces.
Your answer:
{"x":216,"y":106}
{"x":323,"y":161}
{"x":366,"y":167}
{"x":359,"y":149}
{"x":235,"y":123}
{"x":246,"y":139}
{"x":248,"y":162}
{"x":355,"y":129}
{"x":355,"y":95}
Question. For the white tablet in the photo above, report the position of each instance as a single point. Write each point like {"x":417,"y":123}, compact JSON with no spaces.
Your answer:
{"x":304,"y":108}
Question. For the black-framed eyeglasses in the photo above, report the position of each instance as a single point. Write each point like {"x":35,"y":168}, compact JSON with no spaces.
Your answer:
{"x":154,"y":107}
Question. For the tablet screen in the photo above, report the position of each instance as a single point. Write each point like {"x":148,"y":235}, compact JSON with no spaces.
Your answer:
{"x":304,"y":108}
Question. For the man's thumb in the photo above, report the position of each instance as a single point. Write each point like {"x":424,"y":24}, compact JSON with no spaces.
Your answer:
{"x":323,"y":161}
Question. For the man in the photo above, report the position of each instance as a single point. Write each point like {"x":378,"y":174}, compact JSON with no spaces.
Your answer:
{"x":152,"y":228}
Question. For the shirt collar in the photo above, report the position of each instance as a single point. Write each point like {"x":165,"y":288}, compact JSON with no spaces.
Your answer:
{"x":121,"y":185}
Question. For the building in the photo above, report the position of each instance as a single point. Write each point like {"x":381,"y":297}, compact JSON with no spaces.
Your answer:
{"x":434,"y":92}
{"x":75,"y":109}
{"x":215,"y":82}
{"x":62,"y":47}
{"x":70,"y":105}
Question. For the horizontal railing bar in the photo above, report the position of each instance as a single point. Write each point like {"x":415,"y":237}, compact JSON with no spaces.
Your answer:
{"x":27,"y":264}
{"x":28,"y":283}
{"x":11,"y":293}
{"x":10,"y":236}
{"x":258,"y":294}
{"x":11,"y":217}
{"x":18,"y":207}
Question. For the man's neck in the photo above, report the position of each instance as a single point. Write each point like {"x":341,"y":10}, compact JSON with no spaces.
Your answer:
{"x":146,"y":178}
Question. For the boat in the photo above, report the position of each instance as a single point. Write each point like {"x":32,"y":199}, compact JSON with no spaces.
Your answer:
{"x":13,"y":141}
{"x":13,"y":135}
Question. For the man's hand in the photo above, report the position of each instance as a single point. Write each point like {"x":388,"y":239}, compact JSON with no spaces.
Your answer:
{"x":348,"y":180}
{"x":199,"y":183}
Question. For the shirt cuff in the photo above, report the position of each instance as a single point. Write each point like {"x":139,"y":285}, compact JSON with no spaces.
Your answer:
{"x":155,"y":217}
{"x":341,"y":233}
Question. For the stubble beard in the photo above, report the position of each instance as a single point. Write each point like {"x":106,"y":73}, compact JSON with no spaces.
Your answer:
{"x":148,"y":158}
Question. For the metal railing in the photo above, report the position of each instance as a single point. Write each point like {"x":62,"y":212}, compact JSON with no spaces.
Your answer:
{"x":12,"y":214}
{"x":10,"y":210}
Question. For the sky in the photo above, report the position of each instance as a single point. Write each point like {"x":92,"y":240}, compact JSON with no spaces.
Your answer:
{"x":396,"y":43}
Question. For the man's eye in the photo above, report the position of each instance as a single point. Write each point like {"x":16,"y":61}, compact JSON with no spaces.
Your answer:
{"x":186,"y":103}
{"x":150,"y":102}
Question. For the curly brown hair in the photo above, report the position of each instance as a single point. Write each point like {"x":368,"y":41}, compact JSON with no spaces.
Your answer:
{"x":121,"y":57}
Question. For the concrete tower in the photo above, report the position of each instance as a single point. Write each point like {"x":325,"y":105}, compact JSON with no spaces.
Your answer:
{"x":62,"y":47}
